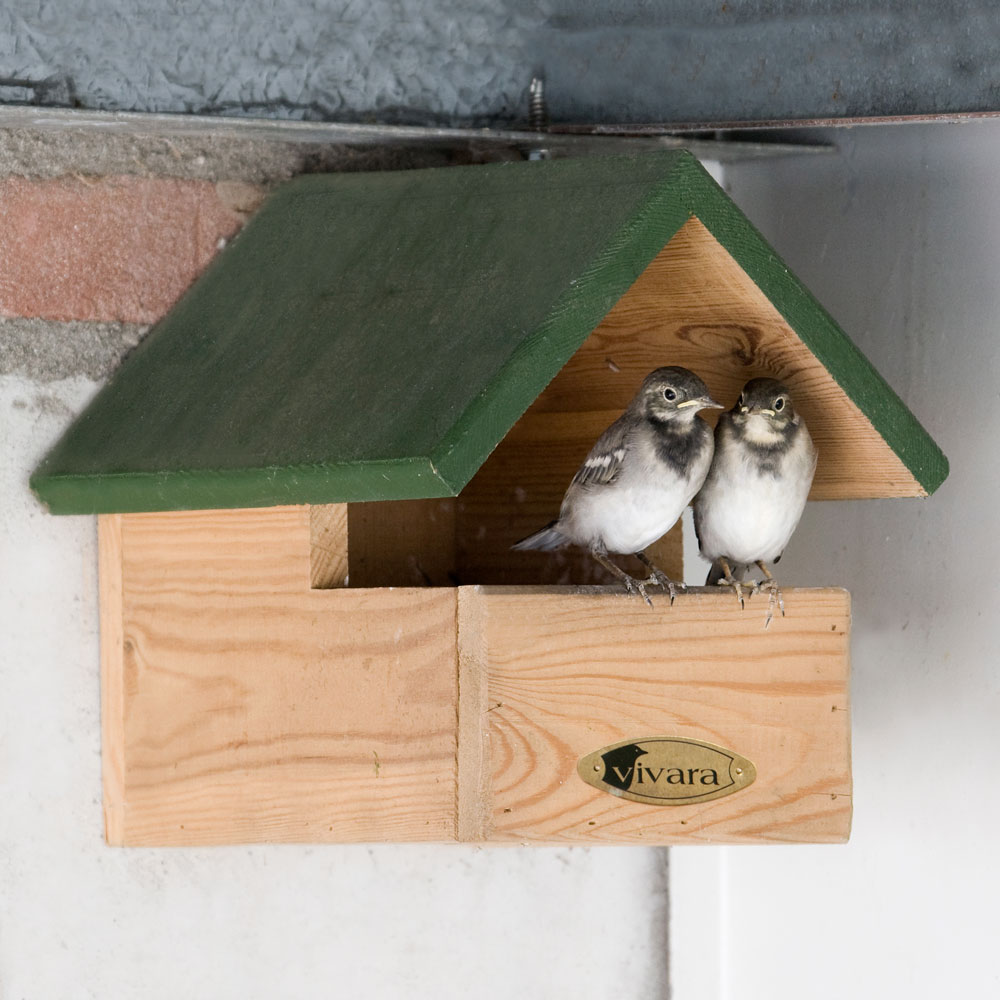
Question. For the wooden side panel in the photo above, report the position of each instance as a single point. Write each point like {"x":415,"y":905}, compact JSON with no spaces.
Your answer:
{"x":570,"y":674}
{"x":695,"y":306}
{"x":257,"y":709}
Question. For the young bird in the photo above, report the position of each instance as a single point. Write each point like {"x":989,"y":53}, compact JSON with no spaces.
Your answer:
{"x":638,"y":478}
{"x":756,"y":489}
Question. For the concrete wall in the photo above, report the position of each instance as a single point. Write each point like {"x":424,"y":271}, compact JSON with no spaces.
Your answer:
{"x":899,"y":237}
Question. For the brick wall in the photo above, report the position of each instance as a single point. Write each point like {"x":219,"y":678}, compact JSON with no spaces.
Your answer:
{"x":114,"y":248}
{"x":103,"y":229}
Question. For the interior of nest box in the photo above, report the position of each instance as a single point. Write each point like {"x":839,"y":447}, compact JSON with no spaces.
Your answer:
{"x":692,"y":306}
{"x":468,"y":539}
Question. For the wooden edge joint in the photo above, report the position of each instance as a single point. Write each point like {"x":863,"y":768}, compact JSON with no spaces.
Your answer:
{"x":474,"y":807}
{"x":112,"y":641}
{"x":328,"y":545}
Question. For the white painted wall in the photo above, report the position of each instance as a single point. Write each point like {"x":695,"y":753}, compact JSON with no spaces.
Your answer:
{"x":80,"y":919}
{"x":899,"y":237}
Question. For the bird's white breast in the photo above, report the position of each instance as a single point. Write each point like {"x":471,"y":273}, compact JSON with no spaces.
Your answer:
{"x":641,"y":506}
{"x":746,"y":514}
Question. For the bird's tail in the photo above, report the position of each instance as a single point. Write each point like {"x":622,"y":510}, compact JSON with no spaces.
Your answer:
{"x":547,"y":540}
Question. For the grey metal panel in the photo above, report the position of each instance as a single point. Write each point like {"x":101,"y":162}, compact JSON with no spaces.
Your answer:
{"x":54,"y":141}
{"x":694,"y":62}
{"x":468,"y":62}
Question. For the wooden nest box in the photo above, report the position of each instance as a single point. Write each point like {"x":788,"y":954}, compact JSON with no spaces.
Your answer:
{"x":311,"y":472}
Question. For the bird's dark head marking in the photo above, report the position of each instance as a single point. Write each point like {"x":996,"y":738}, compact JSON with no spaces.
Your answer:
{"x":767,"y":398}
{"x":673,"y":393}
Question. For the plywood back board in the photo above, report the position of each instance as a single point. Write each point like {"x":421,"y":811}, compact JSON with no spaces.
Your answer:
{"x":402,"y":543}
{"x":695,"y":306}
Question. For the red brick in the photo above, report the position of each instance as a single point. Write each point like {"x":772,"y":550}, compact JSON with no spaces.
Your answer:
{"x":113,"y":248}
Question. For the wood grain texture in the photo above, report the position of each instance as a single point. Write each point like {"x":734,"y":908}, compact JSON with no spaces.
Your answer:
{"x":328,"y":545}
{"x":258,"y":709}
{"x":239,"y":704}
{"x":695,"y":306}
{"x":570,"y":674}
{"x":474,"y":787}
{"x":109,"y":543}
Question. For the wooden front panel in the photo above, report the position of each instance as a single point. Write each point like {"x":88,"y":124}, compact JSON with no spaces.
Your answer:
{"x":561,"y":675}
{"x":241,"y":705}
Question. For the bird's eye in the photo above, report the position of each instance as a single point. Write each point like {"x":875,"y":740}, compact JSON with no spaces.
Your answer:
{"x":669,"y":394}
{"x":779,"y":403}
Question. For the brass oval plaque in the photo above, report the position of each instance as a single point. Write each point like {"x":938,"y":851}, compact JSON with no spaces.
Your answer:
{"x":666,"y":770}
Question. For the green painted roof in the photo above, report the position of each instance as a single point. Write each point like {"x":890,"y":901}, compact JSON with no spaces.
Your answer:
{"x":374,"y":336}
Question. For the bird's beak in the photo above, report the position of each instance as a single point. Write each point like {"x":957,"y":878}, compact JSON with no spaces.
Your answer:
{"x":703,"y":403}
{"x":707,"y":403}
{"x":755,"y":410}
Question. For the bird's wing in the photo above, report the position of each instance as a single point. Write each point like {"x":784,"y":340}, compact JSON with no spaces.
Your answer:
{"x":604,"y":462}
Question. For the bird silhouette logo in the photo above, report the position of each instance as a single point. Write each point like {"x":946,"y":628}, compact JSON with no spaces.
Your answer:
{"x":619,"y":765}
{"x":666,"y":770}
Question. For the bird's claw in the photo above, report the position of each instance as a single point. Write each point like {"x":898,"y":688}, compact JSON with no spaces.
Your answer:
{"x":660,"y":579}
{"x":634,"y":586}
{"x":737,"y":589}
{"x":774,"y":598}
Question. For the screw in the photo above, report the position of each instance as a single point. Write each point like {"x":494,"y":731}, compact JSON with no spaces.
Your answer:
{"x":538,"y":112}
{"x":538,"y":116}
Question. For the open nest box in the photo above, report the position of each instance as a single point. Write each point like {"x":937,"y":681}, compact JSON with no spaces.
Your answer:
{"x":311,"y":472}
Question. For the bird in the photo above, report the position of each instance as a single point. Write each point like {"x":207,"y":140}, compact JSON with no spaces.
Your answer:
{"x":637,"y":479}
{"x":619,"y":765}
{"x":755,"y":492}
